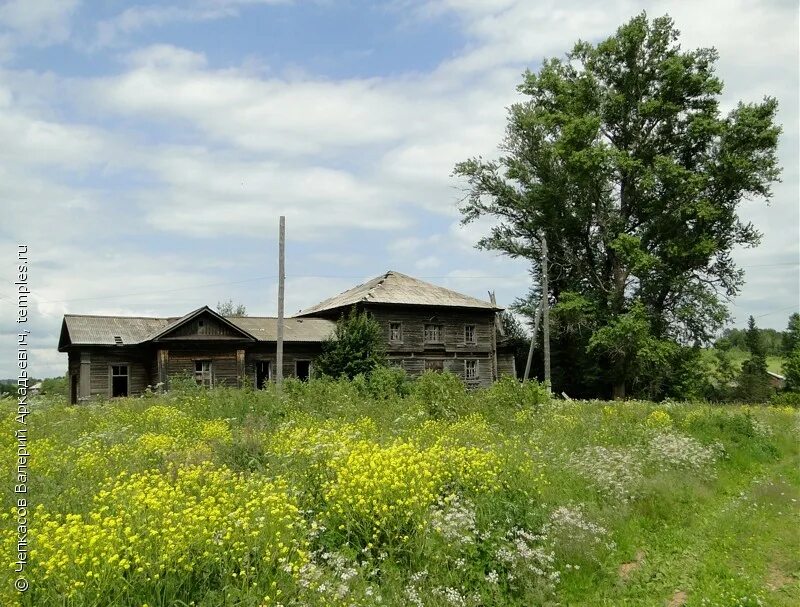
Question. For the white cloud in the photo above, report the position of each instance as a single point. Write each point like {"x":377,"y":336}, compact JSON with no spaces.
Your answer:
{"x":37,"y":22}
{"x":172,"y":147}
{"x":117,"y":30}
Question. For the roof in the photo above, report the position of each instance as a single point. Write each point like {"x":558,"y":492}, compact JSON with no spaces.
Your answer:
{"x":105,"y":330}
{"x":194,"y":314}
{"x":396,"y":288}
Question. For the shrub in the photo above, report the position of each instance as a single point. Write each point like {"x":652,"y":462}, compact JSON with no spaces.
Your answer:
{"x":509,"y":393}
{"x":388,"y":382}
{"x":443,"y":395}
{"x":356,"y":347}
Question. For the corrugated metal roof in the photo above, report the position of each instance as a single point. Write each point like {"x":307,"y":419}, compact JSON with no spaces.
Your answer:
{"x":396,"y":288}
{"x":103,"y":330}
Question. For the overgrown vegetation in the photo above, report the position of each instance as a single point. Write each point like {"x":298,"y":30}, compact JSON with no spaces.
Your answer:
{"x":384,"y":491}
{"x":355,"y":348}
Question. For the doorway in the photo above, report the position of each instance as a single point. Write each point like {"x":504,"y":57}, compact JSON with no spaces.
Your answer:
{"x":302,"y":369}
{"x":73,"y":389}
{"x":262,"y":373}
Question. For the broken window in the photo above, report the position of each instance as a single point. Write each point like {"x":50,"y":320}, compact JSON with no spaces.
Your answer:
{"x":203,"y":373}
{"x":469,"y":334}
{"x":395,"y":331}
{"x":119,"y":380}
{"x":470,"y":369}
{"x":433,"y":334}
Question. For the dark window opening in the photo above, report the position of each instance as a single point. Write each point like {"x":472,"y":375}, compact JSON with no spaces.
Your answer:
{"x":119,"y":380}
{"x":302,"y":369}
{"x":395,"y":331}
{"x":118,"y":340}
{"x":262,"y":373}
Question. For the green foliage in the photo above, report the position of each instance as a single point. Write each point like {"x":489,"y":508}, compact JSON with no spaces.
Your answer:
{"x":228,"y":308}
{"x":509,"y":394}
{"x":356,"y":347}
{"x":621,"y":157}
{"x":791,"y":370}
{"x":388,"y":382}
{"x":443,"y":395}
{"x":636,"y":356}
{"x":56,"y":385}
{"x":791,"y":337}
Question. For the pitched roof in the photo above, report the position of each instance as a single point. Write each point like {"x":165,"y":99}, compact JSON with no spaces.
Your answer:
{"x":104,"y":330}
{"x":194,"y":314}
{"x":396,"y":288}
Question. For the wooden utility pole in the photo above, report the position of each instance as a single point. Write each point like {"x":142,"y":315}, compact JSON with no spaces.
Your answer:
{"x":536,"y":318}
{"x":545,"y":314}
{"x":497,"y":327}
{"x":281,"y":278}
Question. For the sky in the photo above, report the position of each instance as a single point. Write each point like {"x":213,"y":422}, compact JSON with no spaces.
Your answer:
{"x":149,"y":148}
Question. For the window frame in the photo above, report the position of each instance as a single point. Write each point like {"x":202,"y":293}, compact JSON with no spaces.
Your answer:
{"x":399,"y":339}
{"x":204,"y":374}
{"x":476,"y":375}
{"x":439,"y":333}
{"x":112,"y":375}
{"x":473,"y":329}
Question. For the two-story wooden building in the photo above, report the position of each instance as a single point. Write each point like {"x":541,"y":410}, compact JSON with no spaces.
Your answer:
{"x":425,"y":326}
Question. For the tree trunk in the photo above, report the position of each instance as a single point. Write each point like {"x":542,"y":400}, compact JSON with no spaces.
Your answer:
{"x":618,"y":390}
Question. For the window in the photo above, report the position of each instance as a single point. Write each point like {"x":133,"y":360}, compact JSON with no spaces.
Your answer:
{"x":202,"y":373}
{"x":469,"y":334}
{"x":119,"y":380}
{"x":395,"y":331}
{"x":470,"y":370}
{"x":433,"y":334}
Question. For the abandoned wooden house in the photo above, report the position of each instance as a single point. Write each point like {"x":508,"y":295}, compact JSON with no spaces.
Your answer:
{"x":425,"y":327}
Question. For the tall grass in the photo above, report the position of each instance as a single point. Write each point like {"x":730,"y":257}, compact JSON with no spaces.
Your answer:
{"x":376,"y":491}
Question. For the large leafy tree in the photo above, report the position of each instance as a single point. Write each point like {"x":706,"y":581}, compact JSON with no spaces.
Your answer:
{"x":620,"y":156}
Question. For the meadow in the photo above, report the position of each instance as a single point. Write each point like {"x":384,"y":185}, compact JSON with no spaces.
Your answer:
{"x":382,"y":492}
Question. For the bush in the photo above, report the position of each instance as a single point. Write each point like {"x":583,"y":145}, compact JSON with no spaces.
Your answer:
{"x":509,"y":393}
{"x":356,"y":347}
{"x":443,"y":395}
{"x":388,"y":382}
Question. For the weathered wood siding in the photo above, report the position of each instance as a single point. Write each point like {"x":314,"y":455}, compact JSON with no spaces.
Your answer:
{"x":414,"y":319}
{"x":415,"y":355}
{"x":100,"y":361}
{"x":210,"y":329}
{"x":292,"y":352}
{"x":224,"y":369}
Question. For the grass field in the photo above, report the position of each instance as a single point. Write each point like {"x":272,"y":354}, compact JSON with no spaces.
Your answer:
{"x":738,"y":356}
{"x":345,"y":493}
